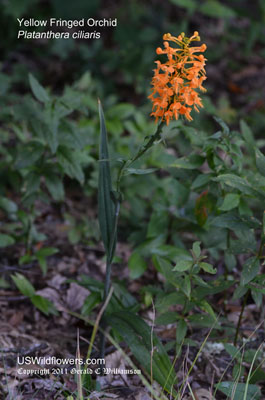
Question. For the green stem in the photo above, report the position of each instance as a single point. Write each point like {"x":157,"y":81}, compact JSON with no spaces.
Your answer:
{"x":141,"y":151}
{"x":126,"y":164}
{"x":241,"y":315}
{"x":108,"y":276}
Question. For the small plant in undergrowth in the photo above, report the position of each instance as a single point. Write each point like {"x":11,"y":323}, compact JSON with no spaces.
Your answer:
{"x":48,"y":148}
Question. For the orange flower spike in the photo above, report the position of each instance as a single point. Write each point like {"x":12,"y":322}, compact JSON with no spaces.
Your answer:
{"x":175,"y":82}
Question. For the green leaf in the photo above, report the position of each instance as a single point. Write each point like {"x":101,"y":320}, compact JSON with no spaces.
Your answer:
{"x":205,"y":306}
{"x":233,"y":221}
{"x":257,"y":297}
{"x":90,"y":302}
{"x":192,"y":162}
{"x":219,"y":120}
{"x":70,"y":163}
{"x":186,"y":286}
{"x":232,"y":351}
{"x":250,"y":270}
{"x":106,"y":209}
{"x":41,"y":257}
{"x":213,"y":8}
{"x":38,"y":90}
{"x":190,"y":5}
{"x":166,"y":300}
{"x":247,"y":134}
{"x":230,"y":261}
{"x":237,"y":390}
{"x":196,"y":249}
{"x":137,"y":334}
{"x":134,"y":171}
{"x":237,"y":182}
{"x":29,"y":154}
{"x":55,"y":186}
{"x":240,"y":292}
{"x":181,"y":331}
{"x":46,"y":252}
{"x":8,"y":205}
{"x":260,"y":162}
{"x":6,"y":240}
{"x":121,"y":111}
{"x":183,"y":265}
{"x":201,"y":181}
{"x":137,"y":265}
{"x":203,"y":320}
{"x":44,"y":305}
{"x":231,"y":201}
{"x":23,"y":285}
{"x":168,"y":317}
{"x":207,"y":267}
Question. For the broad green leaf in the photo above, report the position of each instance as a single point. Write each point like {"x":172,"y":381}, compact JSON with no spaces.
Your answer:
{"x":69,"y":160}
{"x":216,"y":286}
{"x":196,"y":249}
{"x":8,"y":205}
{"x":247,"y":134}
{"x":170,"y":299}
{"x":23,"y":285}
{"x":46,"y":252}
{"x":234,"y":222}
{"x":165,"y":268}
{"x":239,"y":183}
{"x":257,"y":376}
{"x":181,"y":331}
{"x":183,"y":265}
{"x":200,"y":281}
{"x":203,"y":320}
{"x":41,"y":257}
{"x":158,"y":223}
{"x":237,"y":390}
{"x":55,"y":186}
{"x":201,"y":181}
{"x":232,"y":351}
{"x":240,"y":292}
{"x":168,"y":317}
{"x":186,"y":286}
{"x":137,"y":265}
{"x":257,"y":297}
{"x":219,"y":120}
{"x":203,"y":207}
{"x":230,"y":261}
{"x":106,"y":208}
{"x":43,"y":304}
{"x":207,"y":267}
{"x":137,"y":334}
{"x":231,"y":201}
{"x":90,"y":302}
{"x":6,"y":240}
{"x":260,"y":162}
{"x":120,"y":111}
{"x":250,"y":270}
{"x":38,"y":90}
{"x":134,"y":171}
{"x":214,"y":8}
{"x":190,"y":5}
{"x":192,"y":162}
{"x":205,"y":306}
{"x":29,"y":154}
